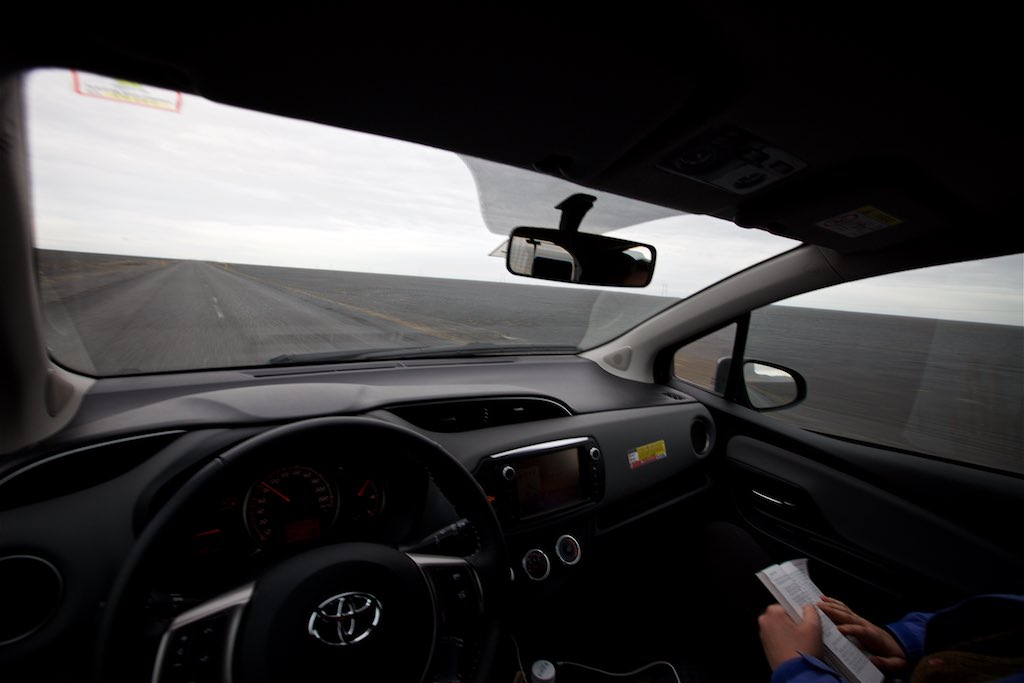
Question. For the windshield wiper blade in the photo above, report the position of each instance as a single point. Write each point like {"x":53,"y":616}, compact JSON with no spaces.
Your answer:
{"x":403,"y":353}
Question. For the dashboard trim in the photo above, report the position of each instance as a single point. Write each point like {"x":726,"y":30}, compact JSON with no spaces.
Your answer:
{"x":74,"y":451}
{"x":548,"y":445}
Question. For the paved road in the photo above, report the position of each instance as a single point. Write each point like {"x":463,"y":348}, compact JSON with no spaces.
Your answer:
{"x":116,"y":315}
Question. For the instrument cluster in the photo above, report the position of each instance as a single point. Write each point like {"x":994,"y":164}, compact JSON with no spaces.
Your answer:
{"x":293,"y":504}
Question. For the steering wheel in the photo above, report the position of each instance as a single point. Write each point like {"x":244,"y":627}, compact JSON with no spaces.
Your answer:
{"x":352,"y":611}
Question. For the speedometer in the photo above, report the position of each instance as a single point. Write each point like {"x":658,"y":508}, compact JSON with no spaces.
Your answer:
{"x":290,"y":505}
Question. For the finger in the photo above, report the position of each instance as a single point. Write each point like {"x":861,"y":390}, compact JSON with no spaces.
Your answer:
{"x":865,"y":635}
{"x":840,"y":617}
{"x":859,"y":631}
{"x":836,"y":611}
{"x":888,"y":664}
{"x":770,"y":614}
{"x":811,"y":616}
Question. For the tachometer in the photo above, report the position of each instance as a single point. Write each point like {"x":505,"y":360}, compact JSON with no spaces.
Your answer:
{"x":290,"y":505}
{"x":364,"y":500}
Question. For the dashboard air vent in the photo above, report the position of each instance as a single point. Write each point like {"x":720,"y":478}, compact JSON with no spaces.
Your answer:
{"x":467,"y":415}
{"x":30,"y":590}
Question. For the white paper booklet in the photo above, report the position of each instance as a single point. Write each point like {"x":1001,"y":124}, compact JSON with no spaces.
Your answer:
{"x":791,"y":585}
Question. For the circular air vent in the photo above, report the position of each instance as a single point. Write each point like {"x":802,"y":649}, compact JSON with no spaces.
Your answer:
{"x":702,"y":436}
{"x":30,"y":590}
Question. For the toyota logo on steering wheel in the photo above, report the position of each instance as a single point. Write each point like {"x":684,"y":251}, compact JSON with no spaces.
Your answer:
{"x":345,"y":619}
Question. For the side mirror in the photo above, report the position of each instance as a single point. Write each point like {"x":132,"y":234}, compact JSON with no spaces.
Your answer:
{"x":766,"y":386}
{"x":771,"y":387}
{"x":579,"y":257}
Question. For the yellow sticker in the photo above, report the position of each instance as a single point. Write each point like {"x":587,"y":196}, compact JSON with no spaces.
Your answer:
{"x":647,"y":453}
{"x":128,"y":92}
{"x":878,"y":215}
{"x":861,"y":221}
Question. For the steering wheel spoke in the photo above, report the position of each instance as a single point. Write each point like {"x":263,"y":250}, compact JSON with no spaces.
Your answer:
{"x":199,"y":643}
{"x":459,"y":605}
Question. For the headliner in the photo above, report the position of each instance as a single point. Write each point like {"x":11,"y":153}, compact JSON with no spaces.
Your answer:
{"x":881,"y":109}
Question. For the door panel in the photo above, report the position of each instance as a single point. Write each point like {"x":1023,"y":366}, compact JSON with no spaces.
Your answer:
{"x":823,"y":511}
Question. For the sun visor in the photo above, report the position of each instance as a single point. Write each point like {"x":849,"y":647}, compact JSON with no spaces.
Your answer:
{"x":871,"y":205}
{"x":511,"y":197}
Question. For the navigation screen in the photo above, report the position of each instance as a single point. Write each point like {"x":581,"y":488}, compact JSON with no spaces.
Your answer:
{"x":548,"y":481}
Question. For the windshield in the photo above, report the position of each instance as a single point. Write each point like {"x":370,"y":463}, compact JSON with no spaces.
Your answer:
{"x":173,"y":233}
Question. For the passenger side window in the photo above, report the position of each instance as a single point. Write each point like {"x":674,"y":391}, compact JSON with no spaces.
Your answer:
{"x":928,"y":361}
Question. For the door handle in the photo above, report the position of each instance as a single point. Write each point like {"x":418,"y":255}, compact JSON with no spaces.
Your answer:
{"x":780,"y":502}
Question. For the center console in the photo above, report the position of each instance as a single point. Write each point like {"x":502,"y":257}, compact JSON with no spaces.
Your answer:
{"x":535,"y":490}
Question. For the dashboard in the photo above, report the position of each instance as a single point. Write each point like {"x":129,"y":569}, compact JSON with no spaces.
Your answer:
{"x":562,"y":465}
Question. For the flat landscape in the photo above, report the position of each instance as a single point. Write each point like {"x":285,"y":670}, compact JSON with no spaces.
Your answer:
{"x":940,"y":387}
{"x":114,"y":315}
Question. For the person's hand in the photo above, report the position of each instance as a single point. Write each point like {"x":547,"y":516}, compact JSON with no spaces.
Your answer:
{"x":882,"y":648}
{"x":783,"y":639}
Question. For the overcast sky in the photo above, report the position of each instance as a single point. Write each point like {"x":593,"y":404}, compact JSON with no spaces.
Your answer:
{"x":215,"y":183}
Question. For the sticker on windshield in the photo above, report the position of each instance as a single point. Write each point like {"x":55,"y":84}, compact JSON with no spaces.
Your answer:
{"x":128,"y":92}
{"x":862,"y":221}
{"x":648,"y":453}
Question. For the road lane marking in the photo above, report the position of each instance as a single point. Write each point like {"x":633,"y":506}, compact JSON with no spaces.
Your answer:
{"x":217,"y":308}
{"x":425,"y":329}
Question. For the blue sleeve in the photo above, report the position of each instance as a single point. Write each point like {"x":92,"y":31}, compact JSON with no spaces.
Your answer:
{"x":909,"y":633}
{"x":804,"y":669}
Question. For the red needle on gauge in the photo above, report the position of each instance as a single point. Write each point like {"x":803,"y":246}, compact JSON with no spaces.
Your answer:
{"x":273,"y":490}
{"x":362,"y":491}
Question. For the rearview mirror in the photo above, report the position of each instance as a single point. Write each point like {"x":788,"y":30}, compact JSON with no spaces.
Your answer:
{"x":579,"y":257}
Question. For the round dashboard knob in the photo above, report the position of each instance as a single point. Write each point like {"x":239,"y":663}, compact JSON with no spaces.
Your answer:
{"x":536,"y":564}
{"x":595,"y":453}
{"x":508,"y":472}
{"x":568,"y":549}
